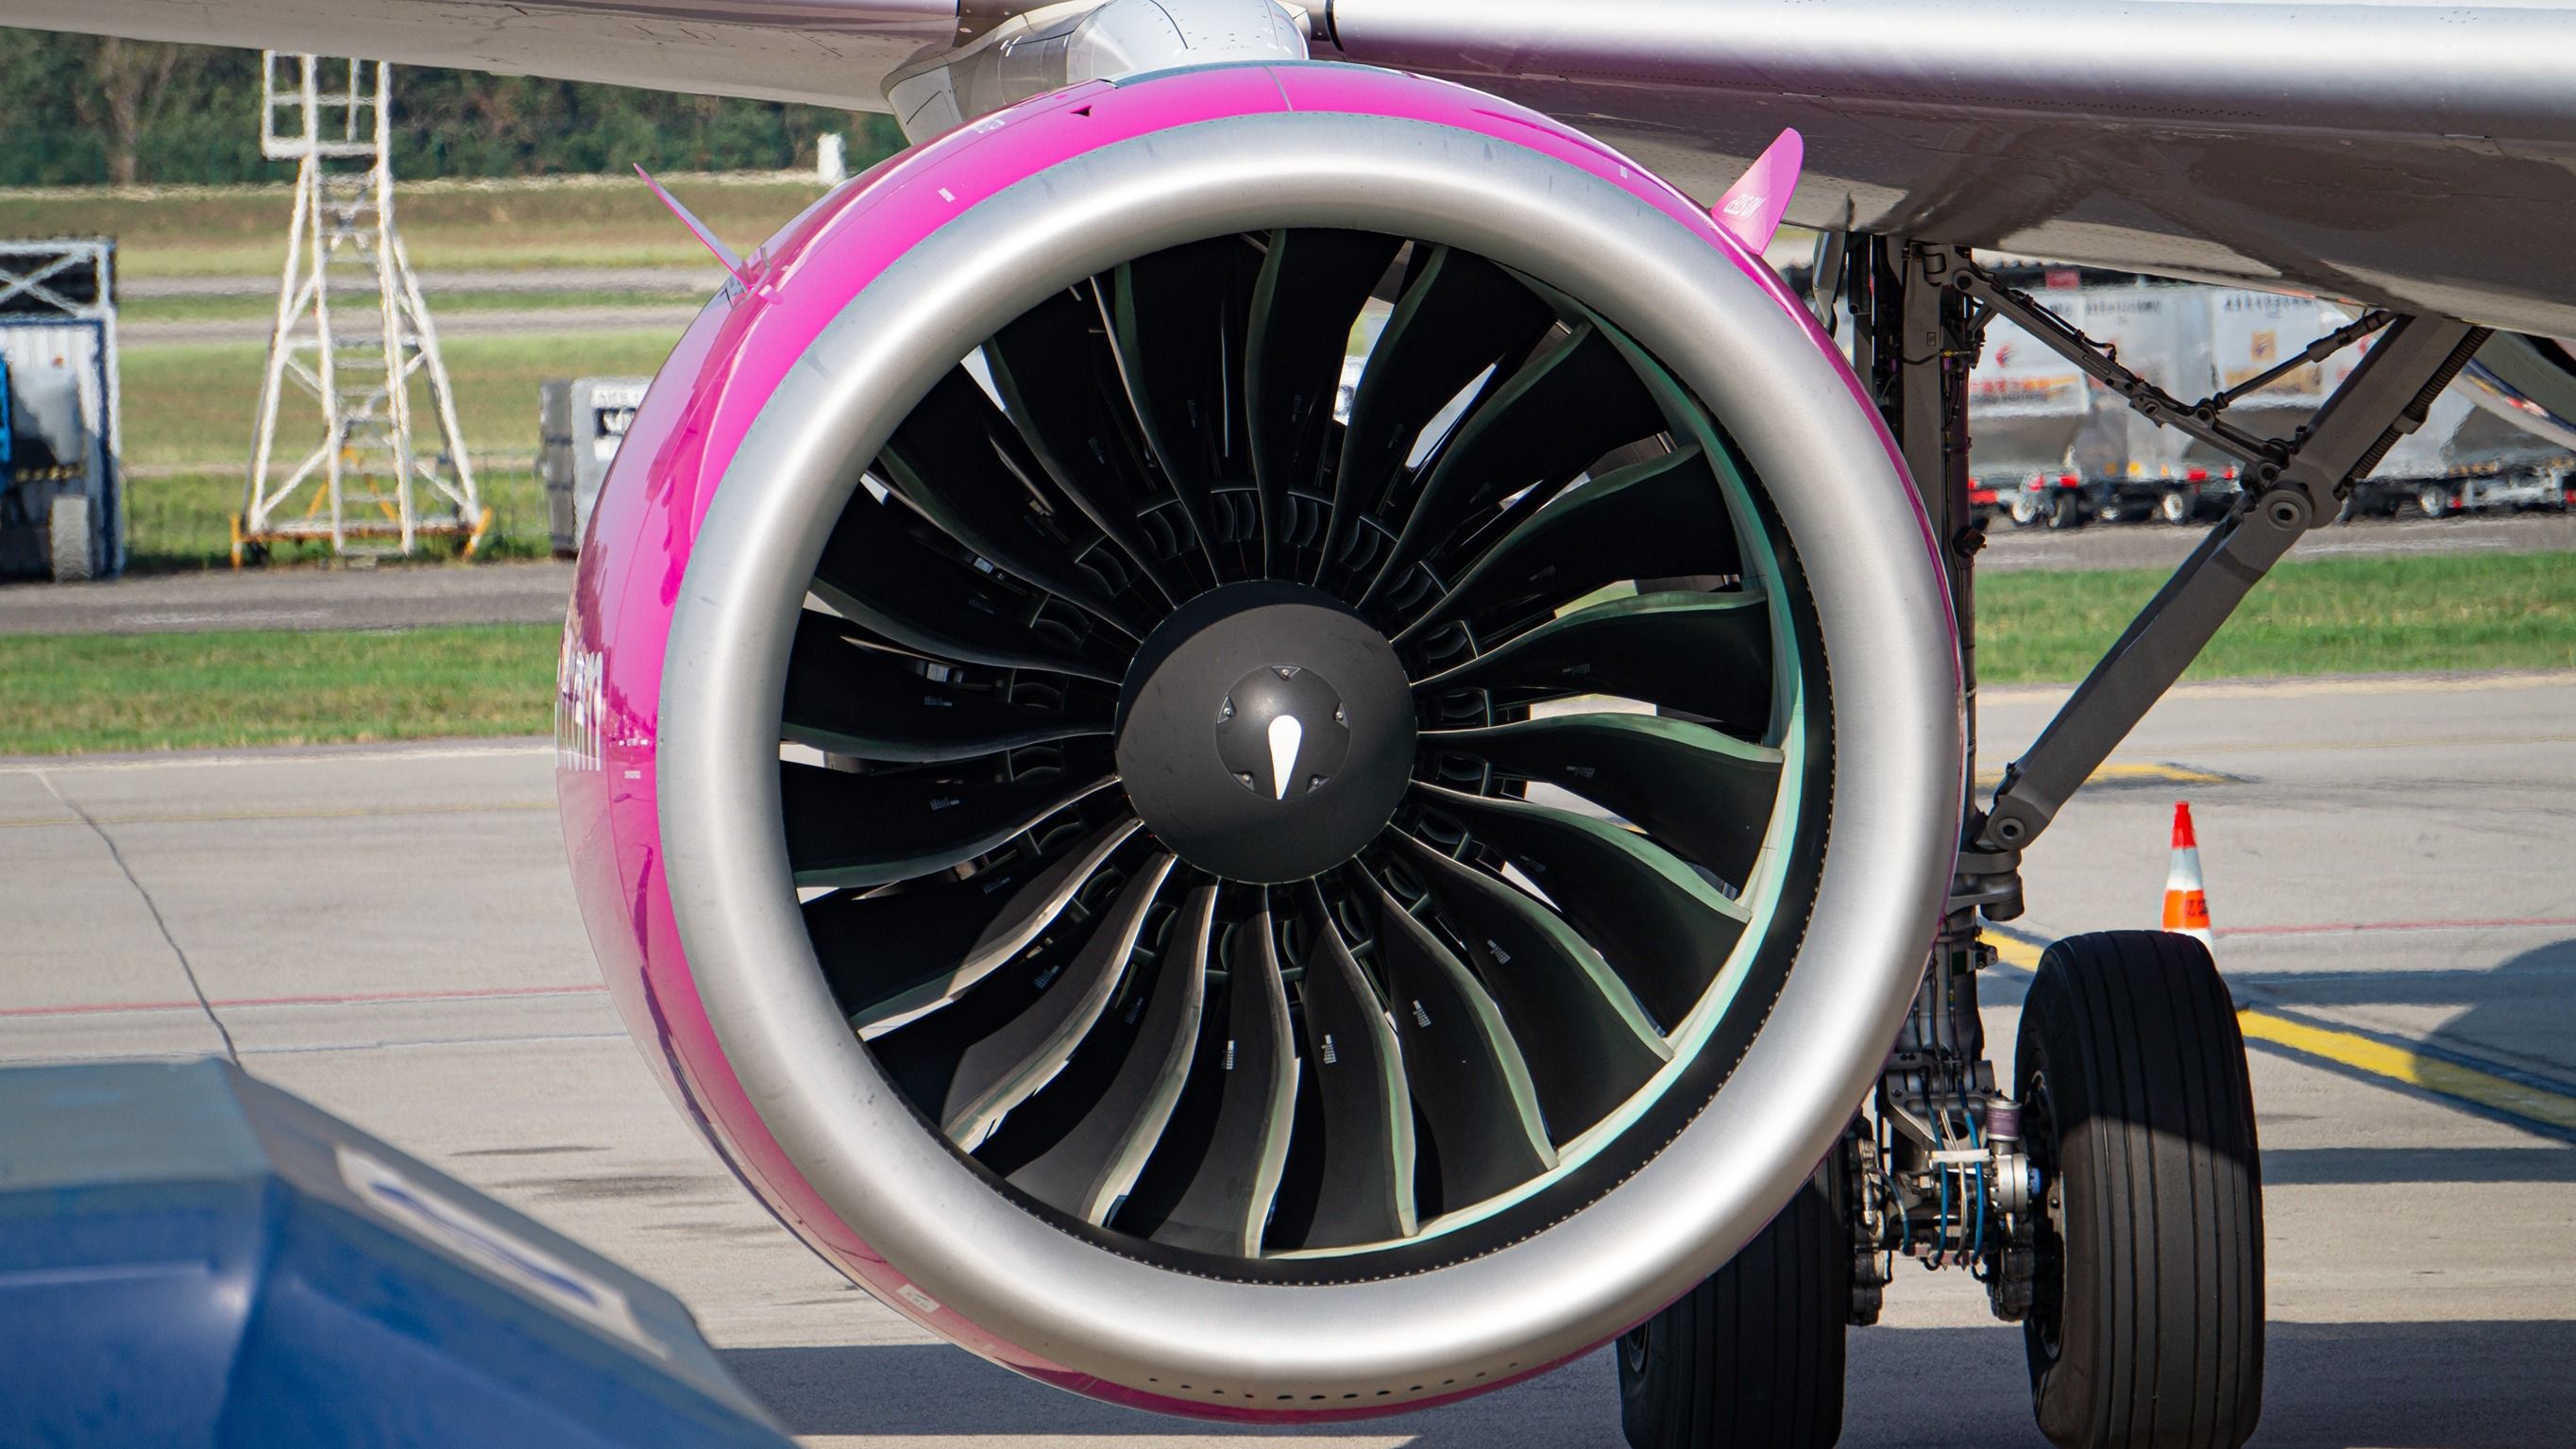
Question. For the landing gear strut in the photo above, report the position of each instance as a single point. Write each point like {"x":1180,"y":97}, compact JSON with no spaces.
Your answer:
{"x":2111,"y":1202}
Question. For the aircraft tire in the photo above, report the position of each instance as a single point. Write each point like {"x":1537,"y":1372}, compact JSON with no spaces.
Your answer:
{"x":1752,"y":1358}
{"x":2148,"y":1324}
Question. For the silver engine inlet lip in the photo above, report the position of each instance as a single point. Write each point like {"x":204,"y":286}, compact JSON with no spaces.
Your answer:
{"x":1890,"y":829}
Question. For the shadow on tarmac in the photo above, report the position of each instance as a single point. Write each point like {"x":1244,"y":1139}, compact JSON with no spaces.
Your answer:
{"x":2474,"y":1385}
{"x":2446,"y":1385}
{"x":935,"y":1390}
{"x":2514,"y":1020}
{"x":2354,"y":1166}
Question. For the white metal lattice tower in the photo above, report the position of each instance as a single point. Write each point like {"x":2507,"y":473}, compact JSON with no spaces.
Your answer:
{"x":352,"y":333}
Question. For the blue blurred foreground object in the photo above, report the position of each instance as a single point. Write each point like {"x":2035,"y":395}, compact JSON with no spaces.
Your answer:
{"x":191,"y":1258}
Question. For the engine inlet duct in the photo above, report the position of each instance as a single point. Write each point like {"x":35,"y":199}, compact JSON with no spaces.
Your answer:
{"x":1227,"y":877}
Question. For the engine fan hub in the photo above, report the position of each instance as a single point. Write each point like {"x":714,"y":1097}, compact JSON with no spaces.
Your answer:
{"x":1265,"y":732}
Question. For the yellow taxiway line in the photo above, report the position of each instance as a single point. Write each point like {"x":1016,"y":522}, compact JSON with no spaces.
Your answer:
{"x":2374,"y":1057}
{"x":2014,"y":951}
{"x":2439,"y":1075}
{"x":2129,"y":771}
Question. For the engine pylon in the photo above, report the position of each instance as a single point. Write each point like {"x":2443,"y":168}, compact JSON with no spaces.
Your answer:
{"x":2186,"y":902}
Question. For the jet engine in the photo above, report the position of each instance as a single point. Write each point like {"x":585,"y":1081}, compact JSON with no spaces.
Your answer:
{"x":1268,"y":741}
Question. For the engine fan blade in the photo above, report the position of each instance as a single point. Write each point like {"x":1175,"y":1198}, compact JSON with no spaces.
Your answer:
{"x":1703,"y":793}
{"x":852,"y":830}
{"x":846,"y":698}
{"x":1589,"y":1047}
{"x":1658,"y":519}
{"x":1058,"y":377}
{"x":1487,"y":1131}
{"x":1659,"y":925}
{"x":1312,"y":285}
{"x":959,"y":461}
{"x":999,"y":1072}
{"x":1229,"y":1195}
{"x":1573,"y":402}
{"x":1707,"y":655}
{"x":875,"y":572}
{"x":891,"y":955}
{"x":1179,"y":318}
{"x":1090,"y":1170}
{"x":1460,"y":315}
{"x":1367,"y":1191}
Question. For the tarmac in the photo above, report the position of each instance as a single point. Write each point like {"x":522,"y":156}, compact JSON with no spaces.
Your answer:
{"x":662,"y":299}
{"x":389,"y":931}
{"x":2161,"y":546}
{"x":389,"y":596}
{"x":669,"y":317}
{"x":649,"y":281}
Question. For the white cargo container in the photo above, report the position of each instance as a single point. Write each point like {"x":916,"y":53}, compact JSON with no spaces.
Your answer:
{"x":2475,"y":451}
{"x":2026,"y":407}
{"x":2473,"y":454}
{"x":62,"y":493}
{"x":580,"y":422}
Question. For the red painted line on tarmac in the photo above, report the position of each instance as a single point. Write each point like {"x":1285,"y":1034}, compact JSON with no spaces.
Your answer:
{"x":2351,"y":928}
{"x":355,"y":998}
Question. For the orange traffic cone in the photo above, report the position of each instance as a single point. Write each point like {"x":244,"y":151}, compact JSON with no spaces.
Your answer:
{"x":2186,"y":905}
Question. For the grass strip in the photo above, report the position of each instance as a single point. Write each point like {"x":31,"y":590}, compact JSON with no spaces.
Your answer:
{"x":195,"y":403}
{"x":2331,"y":616}
{"x":61,"y":694}
{"x":184,"y":522}
{"x":545,"y":223}
{"x":261,"y":307}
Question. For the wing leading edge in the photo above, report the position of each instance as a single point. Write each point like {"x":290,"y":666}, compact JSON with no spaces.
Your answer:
{"x":2400,"y":154}
{"x":822,"y":52}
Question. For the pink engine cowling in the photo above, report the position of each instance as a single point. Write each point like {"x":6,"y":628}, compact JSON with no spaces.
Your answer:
{"x":1819,"y":991}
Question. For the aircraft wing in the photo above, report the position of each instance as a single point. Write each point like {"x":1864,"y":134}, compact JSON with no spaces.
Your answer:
{"x":2416,"y":155}
{"x":821,"y":52}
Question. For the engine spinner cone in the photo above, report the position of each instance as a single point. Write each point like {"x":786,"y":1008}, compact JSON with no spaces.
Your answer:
{"x":1265,"y":732}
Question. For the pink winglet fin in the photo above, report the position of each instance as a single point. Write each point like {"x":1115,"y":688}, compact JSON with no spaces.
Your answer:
{"x":1752,"y":207}
{"x":725,"y":254}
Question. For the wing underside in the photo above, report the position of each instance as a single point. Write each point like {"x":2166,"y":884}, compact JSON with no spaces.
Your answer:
{"x":820,"y":52}
{"x":2400,"y":154}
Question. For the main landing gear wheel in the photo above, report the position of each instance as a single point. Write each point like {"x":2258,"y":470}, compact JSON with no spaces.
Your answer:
{"x":2147,"y":1324}
{"x":1752,"y":1358}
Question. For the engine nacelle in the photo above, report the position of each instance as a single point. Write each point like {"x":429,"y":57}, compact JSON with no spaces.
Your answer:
{"x":1224,"y":900}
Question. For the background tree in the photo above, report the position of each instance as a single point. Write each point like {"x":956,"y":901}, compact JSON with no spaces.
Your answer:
{"x":130,"y":82}
{"x":80,"y":110}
